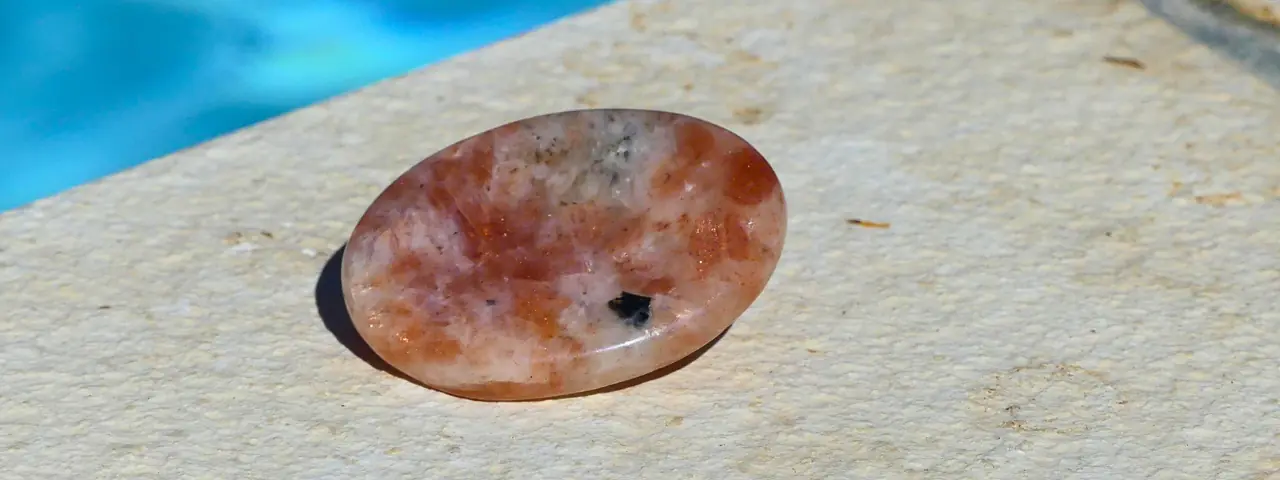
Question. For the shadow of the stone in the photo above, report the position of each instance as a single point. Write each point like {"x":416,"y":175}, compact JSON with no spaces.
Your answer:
{"x":332,"y":307}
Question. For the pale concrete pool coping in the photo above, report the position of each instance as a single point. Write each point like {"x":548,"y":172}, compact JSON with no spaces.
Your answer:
{"x":1079,"y":280}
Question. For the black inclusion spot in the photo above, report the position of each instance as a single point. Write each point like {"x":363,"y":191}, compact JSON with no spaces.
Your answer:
{"x":632,"y":309}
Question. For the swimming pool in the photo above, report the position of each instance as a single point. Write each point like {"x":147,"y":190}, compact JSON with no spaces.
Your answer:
{"x":96,"y":86}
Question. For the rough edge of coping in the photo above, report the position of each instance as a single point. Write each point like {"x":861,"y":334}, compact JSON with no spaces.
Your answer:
{"x":1267,"y":11}
{"x":1220,"y":26}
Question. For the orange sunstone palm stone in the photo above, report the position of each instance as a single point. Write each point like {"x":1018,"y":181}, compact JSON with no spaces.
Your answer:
{"x":564,"y":253}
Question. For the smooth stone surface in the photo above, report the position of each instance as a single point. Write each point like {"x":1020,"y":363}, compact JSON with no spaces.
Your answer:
{"x":564,"y":253}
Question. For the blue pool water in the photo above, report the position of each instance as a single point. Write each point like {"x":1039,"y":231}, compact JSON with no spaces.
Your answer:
{"x":91,"y":87}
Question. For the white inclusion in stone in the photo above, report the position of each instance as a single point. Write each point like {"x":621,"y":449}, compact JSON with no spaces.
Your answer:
{"x":591,"y":288}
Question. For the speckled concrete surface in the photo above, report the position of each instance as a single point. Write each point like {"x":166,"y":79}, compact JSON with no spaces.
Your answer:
{"x":1079,"y":279}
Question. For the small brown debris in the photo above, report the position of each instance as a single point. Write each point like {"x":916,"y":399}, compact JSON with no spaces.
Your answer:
{"x":638,"y":21}
{"x":1174,"y":188}
{"x":749,"y":115}
{"x":104,"y":307}
{"x":1126,"y":62}
{"x":233,"y":238}
{"x":1219,"y":199}
{"x":687,"y":87}
{"x":267,"y":234}
{"x":675,"y":421}
{"x":866,"y":223}
{"x":741,"y":56}
{"x":1015,"y":425}
{"x":587,"y":100}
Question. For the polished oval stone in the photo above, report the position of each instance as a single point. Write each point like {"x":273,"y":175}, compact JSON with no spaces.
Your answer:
{"x":564,"y":253}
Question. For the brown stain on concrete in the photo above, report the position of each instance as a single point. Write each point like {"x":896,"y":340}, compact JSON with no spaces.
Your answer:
{"x":1056,"y":398}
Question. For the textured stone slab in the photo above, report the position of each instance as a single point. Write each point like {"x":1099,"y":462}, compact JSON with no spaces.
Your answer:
{"x":1078,"y":278}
